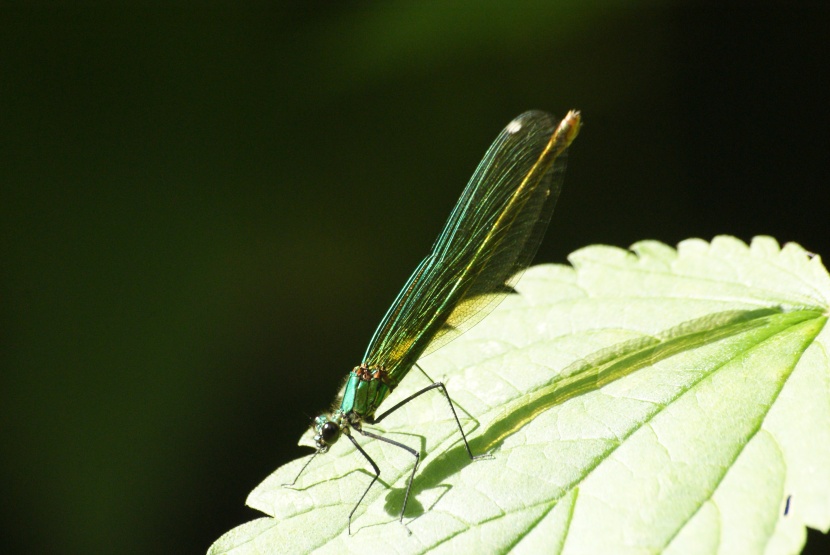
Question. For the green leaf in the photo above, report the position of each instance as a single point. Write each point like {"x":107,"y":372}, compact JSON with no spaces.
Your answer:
{"x":651,"y":401}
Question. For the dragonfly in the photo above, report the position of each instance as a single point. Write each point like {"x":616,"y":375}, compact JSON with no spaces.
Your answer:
{"x":488,"y":241}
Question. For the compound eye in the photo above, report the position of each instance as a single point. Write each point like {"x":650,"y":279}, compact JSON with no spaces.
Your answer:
{"x":330,"y":432}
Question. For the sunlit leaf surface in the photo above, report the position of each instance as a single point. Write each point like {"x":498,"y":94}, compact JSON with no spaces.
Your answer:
{"x":643,"y":401}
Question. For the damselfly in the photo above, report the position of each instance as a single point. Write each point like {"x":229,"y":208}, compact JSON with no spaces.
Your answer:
{"x":490,"y":238}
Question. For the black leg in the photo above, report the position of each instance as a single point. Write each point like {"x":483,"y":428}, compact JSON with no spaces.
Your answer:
{"x":436,"y":385}
{"x":375,"y":479}
{"x":308,"y":462}
{"x":412,"y":451}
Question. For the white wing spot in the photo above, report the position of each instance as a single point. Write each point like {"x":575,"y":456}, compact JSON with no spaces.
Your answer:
{"x":514,"y":126}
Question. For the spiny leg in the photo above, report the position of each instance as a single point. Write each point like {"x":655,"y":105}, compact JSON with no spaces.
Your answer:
{"x":436,"y":385}
{"x":412,"y":451}
{"x":375,"y":479}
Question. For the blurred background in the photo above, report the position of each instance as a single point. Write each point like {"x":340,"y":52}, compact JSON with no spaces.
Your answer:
{"x":205,"y":212}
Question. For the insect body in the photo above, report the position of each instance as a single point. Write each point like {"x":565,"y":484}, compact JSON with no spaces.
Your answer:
{"x":491,"y":236}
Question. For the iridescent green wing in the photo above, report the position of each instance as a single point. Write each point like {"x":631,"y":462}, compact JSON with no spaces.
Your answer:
{"x":490,"y":238}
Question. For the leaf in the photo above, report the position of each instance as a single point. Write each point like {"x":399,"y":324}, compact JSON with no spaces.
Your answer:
{"x":651,"y":401}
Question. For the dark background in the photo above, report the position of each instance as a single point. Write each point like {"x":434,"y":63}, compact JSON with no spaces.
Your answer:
{"x":205,"y":212}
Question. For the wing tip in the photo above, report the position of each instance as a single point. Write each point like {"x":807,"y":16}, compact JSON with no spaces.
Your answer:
{"x":568,"y":128}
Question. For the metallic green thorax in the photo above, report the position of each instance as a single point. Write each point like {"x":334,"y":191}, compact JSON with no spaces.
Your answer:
{"x":366,"y":388}
{"x":365,"y":391}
